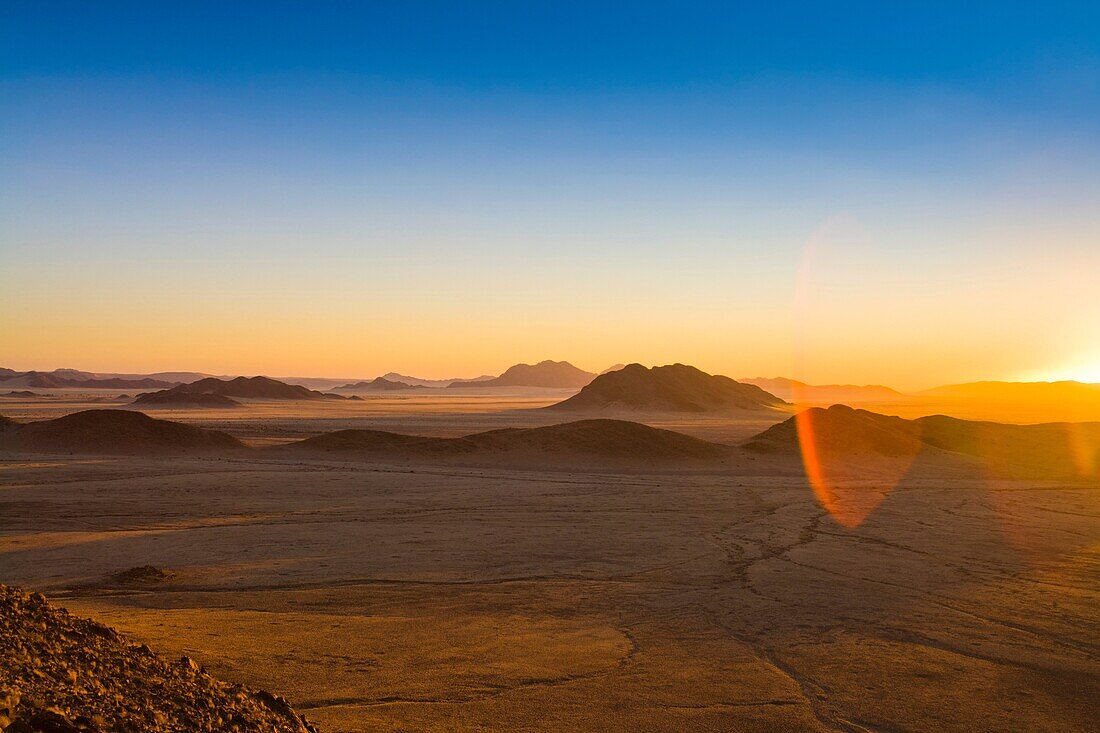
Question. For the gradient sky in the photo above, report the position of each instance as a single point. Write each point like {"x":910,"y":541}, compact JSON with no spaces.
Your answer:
{"x":859,"y":192}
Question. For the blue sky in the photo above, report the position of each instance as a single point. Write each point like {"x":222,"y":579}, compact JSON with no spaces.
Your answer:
{"x":517,"y":167}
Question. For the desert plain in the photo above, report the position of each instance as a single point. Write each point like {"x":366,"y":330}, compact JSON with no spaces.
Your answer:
{"x":418,"y":595}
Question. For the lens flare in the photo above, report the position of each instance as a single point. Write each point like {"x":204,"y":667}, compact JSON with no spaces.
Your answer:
{"x":853,"y":458}
{"x":1084,"y":448}
{"x":849,"y":478}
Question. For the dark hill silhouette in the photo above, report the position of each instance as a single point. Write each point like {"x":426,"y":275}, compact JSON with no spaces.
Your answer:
{"x":842,"y":430}
{"x":22,"y":393}
{"x":1045,"y":450}
{"x":673,"y":388}
{"x":560,"y":374}
{"x":1050,"y":450}
{"x":380,"y":384}
{"x":615,"y":438}
{"x":611,"y":439}
{"x":115,"y":431}
{"x":379,"y":441}
{"x":169,"y":398}
{"x":260,"y":388}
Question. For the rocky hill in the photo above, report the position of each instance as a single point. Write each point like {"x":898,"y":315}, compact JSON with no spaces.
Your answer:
{"x":170,"y":399}
{"x":673,"y":388}
{"x":114,"y":432}
{"x":556,"y":374}
{"x":63,"y":674}
{"x":1051,"y":450}
{"x":260,"y":388}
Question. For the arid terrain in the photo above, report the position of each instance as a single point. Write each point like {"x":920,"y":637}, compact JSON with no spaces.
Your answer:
{"x":553,"y":595}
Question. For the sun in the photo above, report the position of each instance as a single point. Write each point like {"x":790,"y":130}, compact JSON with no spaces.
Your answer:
{"x":1085,"y":370}
{"x":1088,"y":374}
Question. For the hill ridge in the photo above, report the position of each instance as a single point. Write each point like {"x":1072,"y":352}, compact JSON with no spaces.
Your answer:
{"x":669,"y":388}
{"x":546,"y":373}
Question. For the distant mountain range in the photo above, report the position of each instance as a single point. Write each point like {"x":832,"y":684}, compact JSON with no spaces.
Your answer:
{"x":672,"y":388}
{"x":1022,"y":392}
{"x":381,"y":384}
{"x":418,"y":382}
{"x":792,"y":390}
{"x":989,"y":400}
{"x":559,"y":374}
{"x":68,"y":378}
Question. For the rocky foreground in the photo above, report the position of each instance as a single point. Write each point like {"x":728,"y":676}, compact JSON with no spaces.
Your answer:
{"x":62,"y":674}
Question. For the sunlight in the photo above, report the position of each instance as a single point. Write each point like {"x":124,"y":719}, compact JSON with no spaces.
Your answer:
{"x":1085,"y":370}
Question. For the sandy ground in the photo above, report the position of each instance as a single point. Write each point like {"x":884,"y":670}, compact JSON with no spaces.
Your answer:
{"x":418,"y":597}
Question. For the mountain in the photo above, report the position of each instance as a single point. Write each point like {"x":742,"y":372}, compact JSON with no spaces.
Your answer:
{"x":260,"y":388}
{"x":380,"y":384}
{"x":119,"y":383}
{"x":606,"y":439}
{"x":1051,"y":450}
{"x":73,"y":374}
{"x":559,"y":374}
{"x":1018,"y":391}
{"x":613,"y":368}
{"x":792,"y":390}
{"x":317,"y":383}
{"x":672,"y":388}
{"x":41,"y":380}
{"x":418,"y":382}
{"x":58,"y":380}
{"x":114,"y":432}
{"x":22,"y":393}
{"x":171,"y":377}
{"x":170,"y":399}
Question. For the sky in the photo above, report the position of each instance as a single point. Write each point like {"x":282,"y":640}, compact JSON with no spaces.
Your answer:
{"x":892,"y":193}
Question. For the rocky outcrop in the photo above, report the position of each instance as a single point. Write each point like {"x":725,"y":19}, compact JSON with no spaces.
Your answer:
{"x":63,"y":674}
